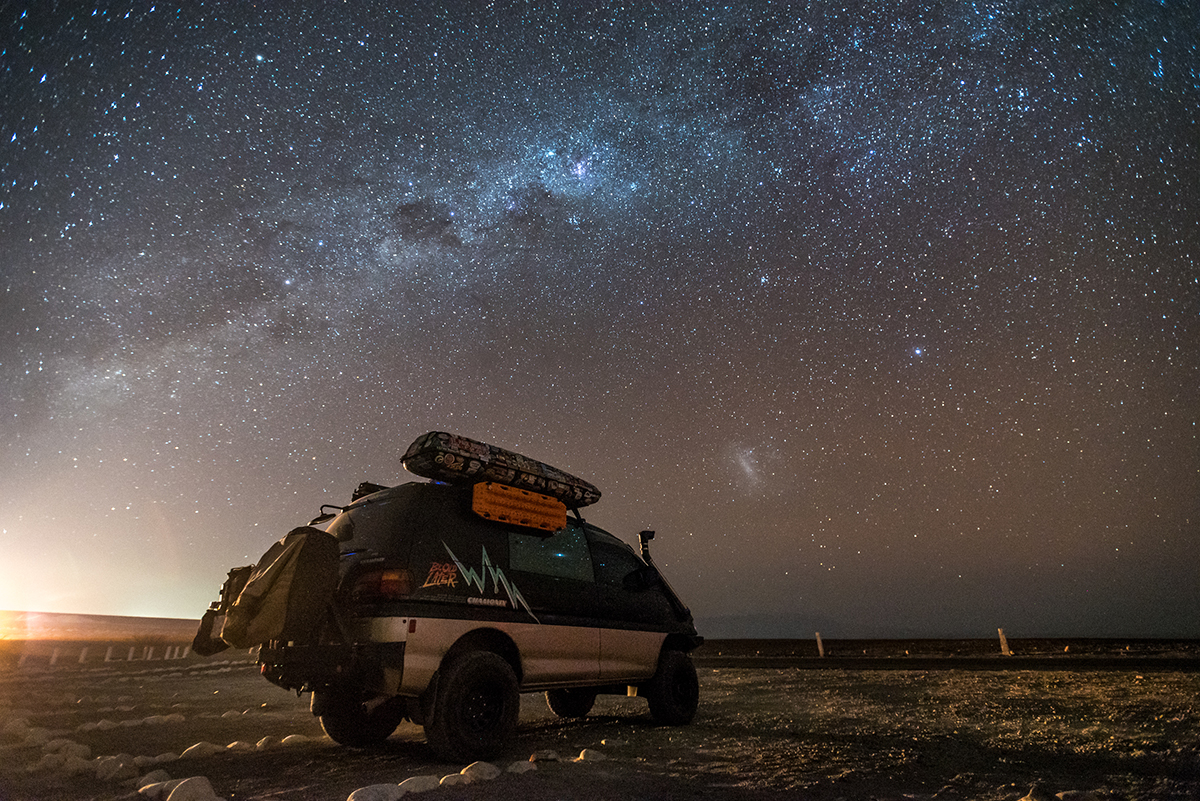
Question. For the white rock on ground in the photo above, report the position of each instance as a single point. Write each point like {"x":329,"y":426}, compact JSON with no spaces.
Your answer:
{"x":1038,"y":793}
{"x":202,"y":749}
{"x":240,"y":745}
{"x":37,"y":736}
{"x":194,"y":788}
{"x":522,"y":767}
{"x":590,"y":755}
{"x":376,"y":792}
{"x":419,"y":784}
{"x":47,"y":762}
{"x":545,"y":756}
{"x":295,"y":739}
{"x":115,"y":767}
{"x":73,"y":765}
{"x":67,"y":748}
{"x":77,"y":750}
{"x":158,"y":791}
{"x":159,"y":759}
{"x":479,"y":772}
{"x":270,"y":741}
{"x":451,"y":779}
{"x":153,"y":777}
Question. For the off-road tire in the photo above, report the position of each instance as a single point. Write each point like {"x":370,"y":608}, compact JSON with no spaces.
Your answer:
{"x":475,"y":708}
{"x":674,"y":691}
{"x":571,"y":702}
{"x":349,"y":723}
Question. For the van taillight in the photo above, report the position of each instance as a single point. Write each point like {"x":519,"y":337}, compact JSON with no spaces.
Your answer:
{"x":383,"y":585}
{"x":394,"y":583}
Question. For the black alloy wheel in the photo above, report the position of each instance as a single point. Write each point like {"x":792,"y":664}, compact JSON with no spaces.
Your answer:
{"x":475,"y":710}
{"x":674,"y":691}
{"x":348,"y":722}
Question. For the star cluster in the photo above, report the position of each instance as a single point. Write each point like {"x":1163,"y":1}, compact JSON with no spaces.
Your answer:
{"x":885,"y":317}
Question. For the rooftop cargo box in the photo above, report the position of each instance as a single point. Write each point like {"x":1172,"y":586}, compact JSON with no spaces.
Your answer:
{"x":459,"y":460}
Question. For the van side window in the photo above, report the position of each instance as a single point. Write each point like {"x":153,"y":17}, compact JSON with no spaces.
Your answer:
{"x":613,"y":563}
{"x":563,"y":555}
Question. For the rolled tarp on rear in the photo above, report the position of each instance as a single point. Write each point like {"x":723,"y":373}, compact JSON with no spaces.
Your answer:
{"x":288,"y":592}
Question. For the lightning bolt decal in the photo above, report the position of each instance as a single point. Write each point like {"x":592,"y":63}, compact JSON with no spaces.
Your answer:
{"x":487,"y":570}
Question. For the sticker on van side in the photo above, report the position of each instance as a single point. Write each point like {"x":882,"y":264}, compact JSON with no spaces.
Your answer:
{"x":441,"y":575}
{"x":474,"y":578}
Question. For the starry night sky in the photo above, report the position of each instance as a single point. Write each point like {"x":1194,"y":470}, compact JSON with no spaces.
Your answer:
{"x":886,"y":318}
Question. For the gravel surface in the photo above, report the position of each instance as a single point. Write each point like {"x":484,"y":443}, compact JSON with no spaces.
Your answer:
{"x":762,"y":733}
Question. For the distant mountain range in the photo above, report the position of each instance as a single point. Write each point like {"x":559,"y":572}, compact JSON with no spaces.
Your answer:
{"x":69,"y":626}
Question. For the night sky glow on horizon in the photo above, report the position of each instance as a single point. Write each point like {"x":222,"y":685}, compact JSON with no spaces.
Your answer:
{"x":886,"y":318}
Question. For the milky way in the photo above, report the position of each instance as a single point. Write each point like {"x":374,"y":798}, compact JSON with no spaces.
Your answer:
{"x":885,"y":318}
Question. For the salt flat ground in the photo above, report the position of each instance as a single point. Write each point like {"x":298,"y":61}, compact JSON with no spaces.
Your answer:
{"x":761,"y":733}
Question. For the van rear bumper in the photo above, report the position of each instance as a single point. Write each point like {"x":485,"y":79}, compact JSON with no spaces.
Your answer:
{"x":365,"y":667}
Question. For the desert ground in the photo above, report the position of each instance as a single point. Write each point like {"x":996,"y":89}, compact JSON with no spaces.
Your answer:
{"x":768,"y":728}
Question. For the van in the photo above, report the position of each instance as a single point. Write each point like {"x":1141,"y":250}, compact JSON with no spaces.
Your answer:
{"x":450,"y":599}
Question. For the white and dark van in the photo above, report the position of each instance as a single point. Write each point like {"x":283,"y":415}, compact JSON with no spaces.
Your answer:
{"x":440,"y":602}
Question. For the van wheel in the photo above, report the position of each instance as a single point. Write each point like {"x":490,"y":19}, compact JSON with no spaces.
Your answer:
{"x":349,"y":723}
{"x":475,"y":710}
{"x":571,"y":703}
{"x":674,"y":691}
